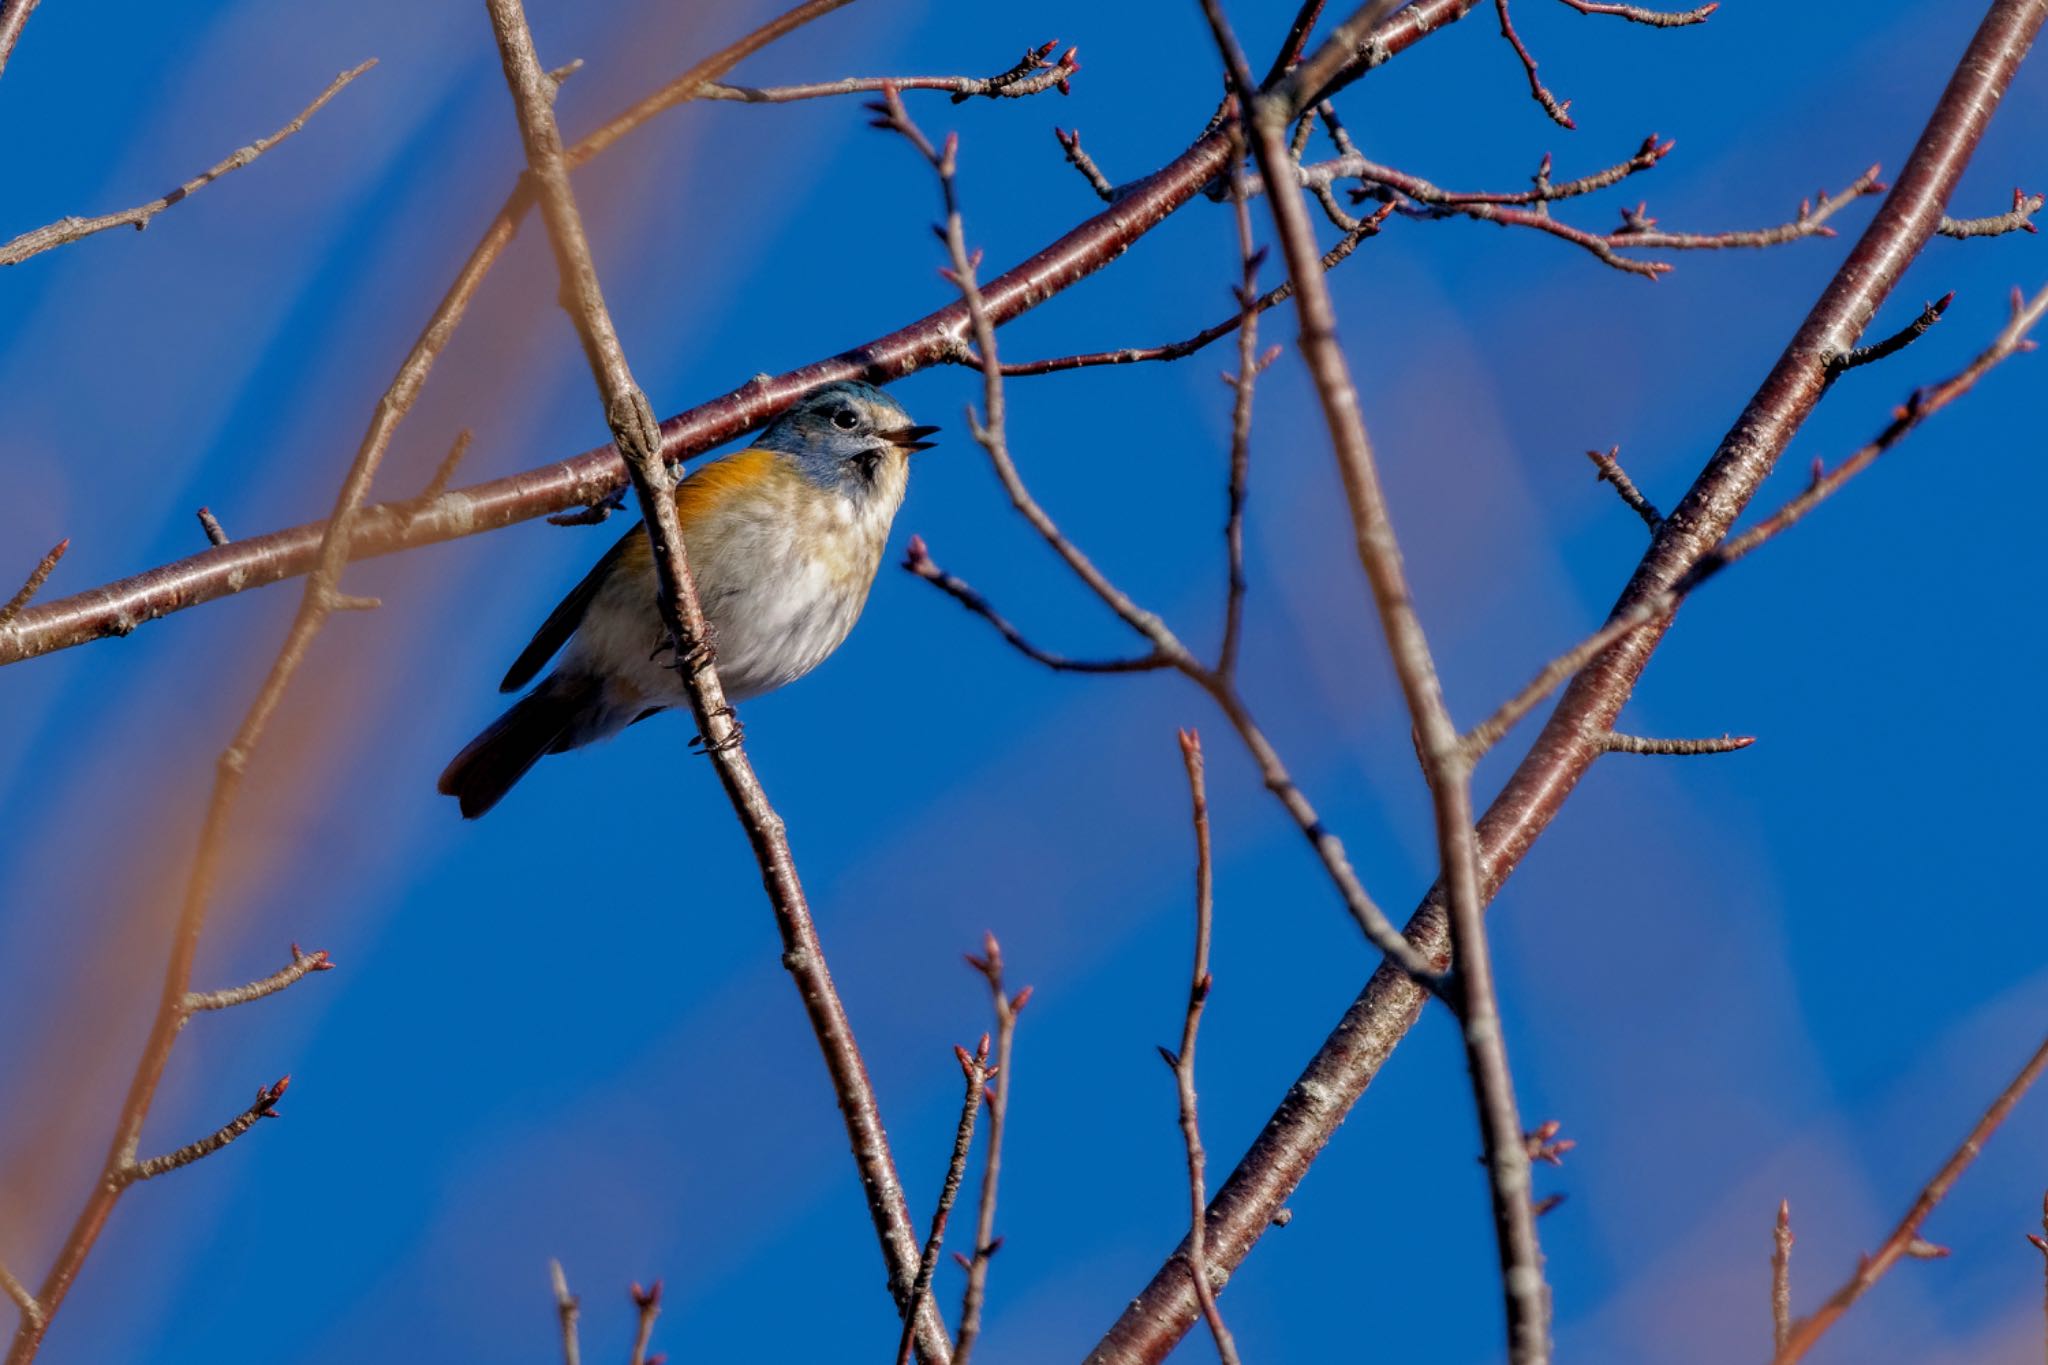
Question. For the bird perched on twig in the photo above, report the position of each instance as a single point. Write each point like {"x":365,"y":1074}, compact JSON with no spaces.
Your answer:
{"x":784,"y":540}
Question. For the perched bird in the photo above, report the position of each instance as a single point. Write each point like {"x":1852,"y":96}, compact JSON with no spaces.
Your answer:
{"x":783,"y":539}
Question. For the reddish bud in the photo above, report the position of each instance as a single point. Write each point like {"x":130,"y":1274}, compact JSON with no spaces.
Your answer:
{"x":1020,"y":999}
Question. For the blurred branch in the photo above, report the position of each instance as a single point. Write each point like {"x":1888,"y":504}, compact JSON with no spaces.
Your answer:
{"x":1033,"y":74}
{"x":31,"y":1311}
{"x":638,"y":438}
{"x":1446,"y":763}
{"x":13,"y":15}
{"x":1781,"y":1276}
{"x":1007,"y":1007}
{"x":257,"y":561}
{"x":2019,"y":219}
{"x":1182,"y":1062}
{"x":67,"y":230}
{"x":975,"y":1067}
{"x":263,"y":1107}
{"x":1906,"y":1236}
{"x":567,"y":1307}
{"x":37,"y":576}
{"x":1376,"y":1021}
{"x":301,"y":963}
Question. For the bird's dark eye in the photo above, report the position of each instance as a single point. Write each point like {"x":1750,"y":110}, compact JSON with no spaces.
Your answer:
{"x":845,"y":420}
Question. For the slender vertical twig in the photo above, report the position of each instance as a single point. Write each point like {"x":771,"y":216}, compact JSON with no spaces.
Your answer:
{"x":1781,"y":1276}
{"x":33,"y":584}
{"x":1007,"y":1007}
{"x":638,"y":438}
{"x":975,"y":1067}
{"x":1183,"y":1062}
{"x":567,"y":1308}
{"x":647,"y":1307}
{"x":1241,"y":383}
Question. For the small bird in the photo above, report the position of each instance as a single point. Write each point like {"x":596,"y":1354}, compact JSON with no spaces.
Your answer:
{"x":783,"y":539}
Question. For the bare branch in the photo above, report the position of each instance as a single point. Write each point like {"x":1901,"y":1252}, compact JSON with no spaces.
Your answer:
{"x":1183,"y":1061}
{"x":210,"y":524}
{"x":1616,"y":743}
{"x":1248,"y":366}
{"x":638,"y":439}
{"x":1372,"y":1027}
{"x":975,"y":1067}
{"x":917,"y":560}
{"x":1033,"y":74}
{"x":1781,"y":1276}
{"x":37,"y":576}
{"x":1611,"y":471}
{"x":567,"y":1307}
{"x":1007,"y":1008}
{"x":445,"y":471}
{"x":1559,"y":111}
{"x":300,"y":965}
{"x":2019,"y":219}
{"x":67,"y":230}
{"x":263,"y":1107}
{"x":1906,"y":1236}
{"x":31,"y":1311}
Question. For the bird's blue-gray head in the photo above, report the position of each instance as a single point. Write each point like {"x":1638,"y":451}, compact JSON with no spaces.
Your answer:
{"x":845,"y":435}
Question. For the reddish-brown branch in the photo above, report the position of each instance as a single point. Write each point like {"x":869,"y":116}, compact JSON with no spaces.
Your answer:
{"x":297,"y":969}
{"x":1182,"y":1062}
{"x":1007,"y":1007}
{"x":1381,"y":1015}
{"x":215,"y":534}
{"x":647,"y":1307}
{"x":1905,"y":1238}
{"x":33,"y":584}
{"x":1616,"y":743}
{"x":1559,"y":111}
{"x":1610,"y":471}
{"x":637,"y":436}
{"x":67,"y":230}
{"x":975,"y":1067}
{"x":1897,"y":341}
{"x":1242,"y":384}
{"x":257,"y":561}
{"x":917,"y":559}
{"x":1639,"y":15}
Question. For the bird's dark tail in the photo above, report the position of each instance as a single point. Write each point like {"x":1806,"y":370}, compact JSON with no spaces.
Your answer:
{"x":538,"y":723}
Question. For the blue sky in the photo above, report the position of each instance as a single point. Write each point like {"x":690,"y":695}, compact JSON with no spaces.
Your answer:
{"x":1797,"y":972}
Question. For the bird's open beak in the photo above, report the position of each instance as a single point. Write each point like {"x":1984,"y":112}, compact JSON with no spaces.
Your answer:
{"x":909,"y":439}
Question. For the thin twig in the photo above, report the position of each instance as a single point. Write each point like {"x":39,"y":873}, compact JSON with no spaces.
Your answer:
{"x":638,"y":438}
{"x":1781,"y":1276}
{"x":917,"y":560}
{"x":210,"y":524}
{"x":2039,"y":1241}
{"x":1609,"y":465}
{"x":567,"y":1307}
{"x":301,"y":964}
{"x":445,"y":471}
{"x":975,"y":1067}
{"x":263,"y":1107}
{"x":1559,"y":111}
{"x":1070,"y":144}
{"x":647,"y":1307}
{"x":1639,"y":15}
{"x":33,"y":584}
{"x":1032,"y":75}
{"x":67,"y":230}
{"x":1446,"y":764}
{"x":31,"y":1311}
{"x":1248,"y":366}
{"x":1182,"y":1062}
{"x":1870,"y":1269}
{"x":1897,"y":341}
{"x":1616,"y":743}
{"x":2020,"y":218}
{"x":1007,"y":1008}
